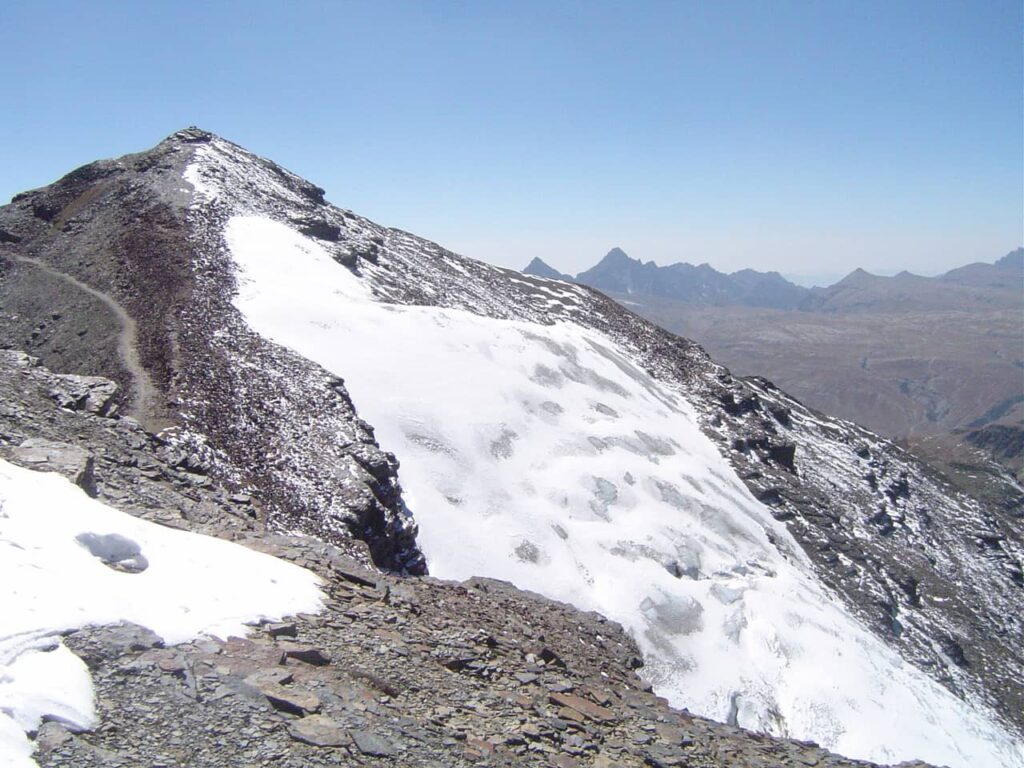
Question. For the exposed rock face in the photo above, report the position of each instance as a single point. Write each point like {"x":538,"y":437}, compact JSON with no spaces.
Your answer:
{"x":111,"y":458}
{"x":85,"y":393}
{"x":1003,"y":440}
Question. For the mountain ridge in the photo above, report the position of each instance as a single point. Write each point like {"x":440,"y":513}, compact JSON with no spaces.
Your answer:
{"x":702,"y":285}
{"x":862,"y":512}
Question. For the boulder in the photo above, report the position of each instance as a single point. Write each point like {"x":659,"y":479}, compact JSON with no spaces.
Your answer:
{"x":92,"y":394}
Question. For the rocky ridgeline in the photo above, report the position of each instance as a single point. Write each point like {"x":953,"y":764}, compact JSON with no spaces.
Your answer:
{"x":402,"y":671}
{"x":245,"y":436}
{"x":933,"y":572}
{"x":110,"y":272}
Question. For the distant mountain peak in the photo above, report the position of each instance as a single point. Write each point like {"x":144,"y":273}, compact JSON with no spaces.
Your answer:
{"x":702,"y":285}
{"x":1014,"y":259}
{"x":540,"y":268}
{"x":859,"y":275}
{"x":617,"y":255}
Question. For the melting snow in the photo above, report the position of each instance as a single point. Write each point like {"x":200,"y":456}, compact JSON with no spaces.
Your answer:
{"x":542,"y":455}
{"x":53,"y":540}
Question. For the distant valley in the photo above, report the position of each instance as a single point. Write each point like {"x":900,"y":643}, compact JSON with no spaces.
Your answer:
{"x":937,"y":362}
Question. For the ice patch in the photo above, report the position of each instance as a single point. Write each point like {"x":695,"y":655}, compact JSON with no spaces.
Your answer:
{"x":115,"y":550}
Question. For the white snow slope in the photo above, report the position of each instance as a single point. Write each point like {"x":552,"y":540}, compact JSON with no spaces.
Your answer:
{"x":52,"y":582}
{"x":542,"y":455}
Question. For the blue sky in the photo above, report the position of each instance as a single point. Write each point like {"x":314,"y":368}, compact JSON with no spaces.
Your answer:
{"x":807,"y":137}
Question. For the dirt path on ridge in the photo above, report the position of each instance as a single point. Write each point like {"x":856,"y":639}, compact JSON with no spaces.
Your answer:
{"x":144,"y":394}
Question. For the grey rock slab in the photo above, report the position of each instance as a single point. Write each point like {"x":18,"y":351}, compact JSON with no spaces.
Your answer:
{"x":290,"y":699}
{"x":318,"y":657}
{"x":319,"y":731}
{"x":369,"y":743}
{"x":270,"y":676}
{"x":587,"y":708}
{"x":69,"y":460}
{"x":282,"y":629}
{"x":92,"y":394}
{"x":115,"y":640}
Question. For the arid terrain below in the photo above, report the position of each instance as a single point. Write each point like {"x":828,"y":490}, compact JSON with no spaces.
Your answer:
{"x":949,"y":385}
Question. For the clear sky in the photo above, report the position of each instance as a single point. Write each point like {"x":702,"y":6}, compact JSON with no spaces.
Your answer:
{"x":807,"y":137}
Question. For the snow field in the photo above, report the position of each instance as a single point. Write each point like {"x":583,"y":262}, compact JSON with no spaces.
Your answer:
{"x":542,"y":455}
{"x":191,"y":585}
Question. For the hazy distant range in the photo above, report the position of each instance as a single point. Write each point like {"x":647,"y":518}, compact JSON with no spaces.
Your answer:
{"x":936,"y":361}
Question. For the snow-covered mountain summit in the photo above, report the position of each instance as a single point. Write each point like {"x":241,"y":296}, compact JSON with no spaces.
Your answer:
{"x":780,"y":570}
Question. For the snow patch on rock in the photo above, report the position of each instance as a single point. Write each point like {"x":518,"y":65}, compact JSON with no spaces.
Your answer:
{"x":57,"y":546}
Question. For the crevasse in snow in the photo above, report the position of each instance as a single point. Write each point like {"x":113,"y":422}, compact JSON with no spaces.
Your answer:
{"x":543,"y":455}
{"x":191,"y":585}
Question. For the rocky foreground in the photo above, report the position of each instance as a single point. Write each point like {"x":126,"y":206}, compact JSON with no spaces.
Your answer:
{"x":403,"y":671}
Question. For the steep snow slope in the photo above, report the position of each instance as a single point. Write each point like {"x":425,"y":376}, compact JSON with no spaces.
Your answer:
{"x":544,"y":454}
{"x":54,"y":543}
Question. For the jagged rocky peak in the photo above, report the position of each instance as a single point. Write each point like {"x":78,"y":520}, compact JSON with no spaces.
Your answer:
{"x":192,"y":134}
{"x":618,"y":262}
{"x":540,"y":268}
{"x":618,"y":256}
{"x":547,"y":437}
